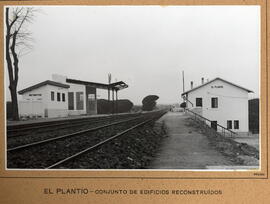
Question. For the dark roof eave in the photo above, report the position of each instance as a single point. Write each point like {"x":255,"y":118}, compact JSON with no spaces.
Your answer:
{"x":120,"y":88}
{"x":75,"y":81}
{"x":47,"y":82}
{"x":117,"y":85}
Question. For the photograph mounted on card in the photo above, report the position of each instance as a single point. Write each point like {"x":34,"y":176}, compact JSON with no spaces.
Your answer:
{"x":134,"y":91}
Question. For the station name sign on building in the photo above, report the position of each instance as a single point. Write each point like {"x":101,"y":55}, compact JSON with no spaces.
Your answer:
{"x":217,"y":87}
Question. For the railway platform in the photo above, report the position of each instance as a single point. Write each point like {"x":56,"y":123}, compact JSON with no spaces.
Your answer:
{"x":187,"y":148}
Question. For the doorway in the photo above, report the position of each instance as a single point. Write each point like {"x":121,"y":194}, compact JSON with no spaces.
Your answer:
{"x":214,"y":124}
{"x":91,"y":100}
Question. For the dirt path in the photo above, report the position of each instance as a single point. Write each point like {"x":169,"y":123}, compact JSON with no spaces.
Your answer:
{"x":184,"y":148}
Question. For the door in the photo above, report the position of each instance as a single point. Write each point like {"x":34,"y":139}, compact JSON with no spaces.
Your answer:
{"x":214,"y":125}
{"x":92,"y":103}
{"x":91,"y":100}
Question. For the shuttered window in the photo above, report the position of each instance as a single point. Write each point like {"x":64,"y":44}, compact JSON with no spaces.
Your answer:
{"x":214,"y":102}
{"x":63,"y":97}
{"x":198,"y":102}
{"x":236,"y":124}
{"x":58,"y":97}
{"x":52,"y":96}
{"x":229,"y":124}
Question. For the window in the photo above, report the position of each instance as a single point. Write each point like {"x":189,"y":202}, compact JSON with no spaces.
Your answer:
{"x":58,"y":97}
{"x":52,"y":96}
{"x":70,"y":101}
{"x":63,"y":97}
{"x":214,"y":102}
{"x":79,"y":100}
{"x":198,"y":102}
{"x":229,"y":124}
{"x":236,"y":124}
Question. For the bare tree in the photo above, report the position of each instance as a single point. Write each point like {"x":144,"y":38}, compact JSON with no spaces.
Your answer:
{"x":18,"y":42}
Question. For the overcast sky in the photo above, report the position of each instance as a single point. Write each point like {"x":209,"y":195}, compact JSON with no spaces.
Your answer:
{"x":145,"y":46}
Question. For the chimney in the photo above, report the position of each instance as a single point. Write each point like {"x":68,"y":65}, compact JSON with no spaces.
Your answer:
{"x":191,"y":85}
{"x":202,"y":80}
{"x":59,"y":78}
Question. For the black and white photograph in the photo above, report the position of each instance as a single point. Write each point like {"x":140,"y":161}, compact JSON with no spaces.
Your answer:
{"x":132,"y":87}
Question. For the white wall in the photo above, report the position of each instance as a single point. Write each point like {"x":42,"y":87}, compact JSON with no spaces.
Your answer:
{"x":56,"y":108}
{"x":31,"y":108}
{"x":33,"y":105}
{"x":73,"y":88}
{"x":41,"y":90}
{"x":232,"y":103}
{"x":50,"y":108}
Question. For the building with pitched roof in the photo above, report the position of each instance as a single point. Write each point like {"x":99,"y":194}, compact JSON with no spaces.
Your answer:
{"x":220,"y":101}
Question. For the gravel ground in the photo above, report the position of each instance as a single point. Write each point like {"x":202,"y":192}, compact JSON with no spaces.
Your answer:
{"x":134,"y":150}
{"x":44,"y":155}
{"x":46,"y":133}
{"x":239,"y":153}
{"x":251,"y":139}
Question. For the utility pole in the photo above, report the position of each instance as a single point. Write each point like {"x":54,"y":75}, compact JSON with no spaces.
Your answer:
{"x":109,"y":82}
{"x":183,"y":81}
{"x":183,"y":76}
{"x":115,"y":107}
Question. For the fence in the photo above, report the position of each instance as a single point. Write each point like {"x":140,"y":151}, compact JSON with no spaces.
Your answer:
{"x":206,"y":123}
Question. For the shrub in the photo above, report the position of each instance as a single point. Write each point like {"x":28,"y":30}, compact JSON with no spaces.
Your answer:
{"x":104,"y":106}
{"x":149,"y":102}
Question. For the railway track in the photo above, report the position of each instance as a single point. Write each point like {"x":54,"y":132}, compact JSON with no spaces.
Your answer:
{"x":51,"y":132}
{"x":24,"y":129}
{"x":51,"y":153}
{"x":96,"y":145}
{"x":24,"y":146}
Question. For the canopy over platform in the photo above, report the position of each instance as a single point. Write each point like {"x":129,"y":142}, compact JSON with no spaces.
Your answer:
{"x":114,"y":86}
{"x":118,"y":85}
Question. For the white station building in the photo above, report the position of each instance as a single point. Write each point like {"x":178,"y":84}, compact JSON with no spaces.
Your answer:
{"x":61,"y":97}
{"x":221,"y":102}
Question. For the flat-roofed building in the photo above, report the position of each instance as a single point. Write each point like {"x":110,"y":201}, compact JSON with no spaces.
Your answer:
{"x":61,"y":97}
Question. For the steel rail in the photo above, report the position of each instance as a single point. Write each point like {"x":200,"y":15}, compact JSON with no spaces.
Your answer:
{"x":31,"y":126}
{"x":34,"y":126}
{"x":98,"y":144}
{"x":75,"y":124}
{"x":68,"y":135}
